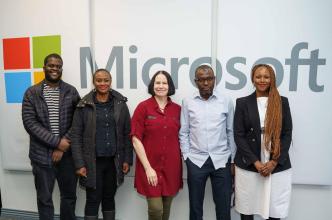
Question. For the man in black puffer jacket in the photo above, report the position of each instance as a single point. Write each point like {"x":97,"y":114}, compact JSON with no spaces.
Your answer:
{"x":47,"y":112}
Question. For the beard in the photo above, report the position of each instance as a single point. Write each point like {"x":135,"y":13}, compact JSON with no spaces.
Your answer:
{"x":53,"y":80}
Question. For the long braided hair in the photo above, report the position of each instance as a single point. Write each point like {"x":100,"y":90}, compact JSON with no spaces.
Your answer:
{"x":273,"y":117}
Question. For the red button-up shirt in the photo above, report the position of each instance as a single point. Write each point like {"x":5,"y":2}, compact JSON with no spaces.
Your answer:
{"x":159,"y":133}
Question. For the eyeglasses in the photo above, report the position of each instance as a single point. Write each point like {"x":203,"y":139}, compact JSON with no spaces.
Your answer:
{"x":202,"y":80}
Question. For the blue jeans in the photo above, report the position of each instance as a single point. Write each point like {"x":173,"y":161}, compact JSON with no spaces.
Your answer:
{"x":221,"y":181}
{"x":45,"y":176}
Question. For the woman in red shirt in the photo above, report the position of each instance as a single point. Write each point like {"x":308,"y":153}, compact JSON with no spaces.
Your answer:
{"x":155,"y":128}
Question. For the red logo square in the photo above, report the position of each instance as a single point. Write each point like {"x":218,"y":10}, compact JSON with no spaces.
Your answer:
{"x":16,"y":53}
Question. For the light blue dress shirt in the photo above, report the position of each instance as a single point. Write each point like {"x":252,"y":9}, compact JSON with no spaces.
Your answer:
{"x":207,"y":129}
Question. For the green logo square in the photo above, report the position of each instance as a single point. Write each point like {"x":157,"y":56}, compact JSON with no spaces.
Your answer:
{"x":43,"y":46}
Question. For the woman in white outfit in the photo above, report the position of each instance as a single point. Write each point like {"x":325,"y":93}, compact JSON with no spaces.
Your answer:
{"x":263,"y":134}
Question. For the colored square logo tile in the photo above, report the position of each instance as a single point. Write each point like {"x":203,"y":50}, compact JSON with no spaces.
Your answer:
{"x":43,"y":46}
{"x":16,"y":84}
{"x":16,"y":53}
{"x":38,"y":77}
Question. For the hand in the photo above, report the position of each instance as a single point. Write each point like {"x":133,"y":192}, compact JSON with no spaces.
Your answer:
{"x":125,"y":168}
{"x":151,"y":176}
{"x":57,"y":155}
{"x":259,"y":166}
{"x":64,"y":144}
{"x":81,"y":172}
{"x":269,"y":167}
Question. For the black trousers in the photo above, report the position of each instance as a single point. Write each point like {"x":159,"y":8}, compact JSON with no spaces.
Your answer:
{"x":105,"y":187}
{"x":221,"y":181}
{"x":64,"y":173}
{"x":251,"y":217}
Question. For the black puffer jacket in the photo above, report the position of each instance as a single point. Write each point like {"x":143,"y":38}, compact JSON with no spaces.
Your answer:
{"x":36,"y":120}
{"x":84,"y":132}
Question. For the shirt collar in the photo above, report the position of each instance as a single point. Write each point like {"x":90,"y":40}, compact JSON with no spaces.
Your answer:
{"x":45,"y":85}
{"x":95,"y":98}
{"x":169,"y":101}
{"x":213,"y":96}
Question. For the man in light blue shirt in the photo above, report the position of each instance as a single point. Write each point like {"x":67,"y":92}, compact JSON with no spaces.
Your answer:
{"x":207,"y":144}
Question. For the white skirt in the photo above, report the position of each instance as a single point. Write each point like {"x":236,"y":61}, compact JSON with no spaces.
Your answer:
{"x":264,"y":196}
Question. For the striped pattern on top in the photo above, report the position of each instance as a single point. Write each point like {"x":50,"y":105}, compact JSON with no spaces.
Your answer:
{"x":52,"y":96}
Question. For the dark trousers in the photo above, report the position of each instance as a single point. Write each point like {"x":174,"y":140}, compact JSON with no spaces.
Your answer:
{"x":64,"y":173}
{"x":105,"y":187}
{"x":251,"y":217}
{"x":221,"y":181}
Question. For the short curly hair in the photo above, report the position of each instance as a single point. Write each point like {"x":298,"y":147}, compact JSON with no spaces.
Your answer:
{"x":52,"y":55}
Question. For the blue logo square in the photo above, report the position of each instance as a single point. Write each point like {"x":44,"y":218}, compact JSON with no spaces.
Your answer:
{"x":16,"y":84}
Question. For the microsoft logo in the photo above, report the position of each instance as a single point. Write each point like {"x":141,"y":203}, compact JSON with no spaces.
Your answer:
{"x":23,"y":60}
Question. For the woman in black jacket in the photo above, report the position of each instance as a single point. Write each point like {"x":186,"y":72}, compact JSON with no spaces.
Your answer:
{"x":101,"y":145}
{"x":263,"y":134}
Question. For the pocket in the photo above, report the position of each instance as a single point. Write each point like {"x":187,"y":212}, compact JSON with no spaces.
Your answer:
{"x":152,"y":123}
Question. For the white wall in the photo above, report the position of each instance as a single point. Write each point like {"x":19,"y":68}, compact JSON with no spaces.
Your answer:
{"x":181,"y":29}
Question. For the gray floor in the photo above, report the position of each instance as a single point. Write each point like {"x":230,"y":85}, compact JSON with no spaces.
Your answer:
{"x":15,"y":218}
